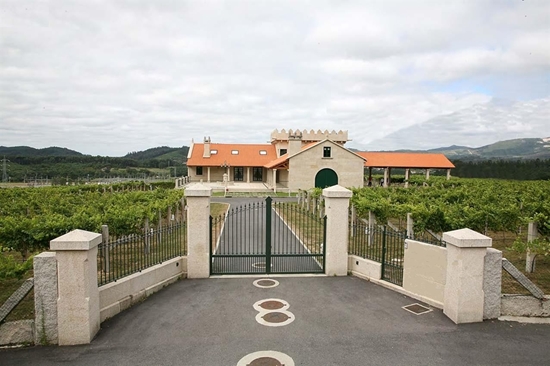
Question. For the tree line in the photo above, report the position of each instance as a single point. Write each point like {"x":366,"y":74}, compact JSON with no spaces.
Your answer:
{"x":62,"y":168}
{"x":537,"y":169}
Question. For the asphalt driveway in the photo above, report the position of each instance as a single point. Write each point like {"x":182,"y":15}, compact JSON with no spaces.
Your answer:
{"x":336,"y":321}
{"x":242,"y":244}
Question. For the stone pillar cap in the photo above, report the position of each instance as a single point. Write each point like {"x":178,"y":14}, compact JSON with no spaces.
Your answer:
{"x":76,"y":240}
{"x":337,"y":191}
{"x":198,"y":190}
{"x":467,"y":238}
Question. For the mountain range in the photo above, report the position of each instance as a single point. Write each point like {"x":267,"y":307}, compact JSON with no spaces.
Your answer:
{"x":529,"y":148}
{"x":481,"y":124}
{"x":523,"y":148}
{"x":156,"y":153}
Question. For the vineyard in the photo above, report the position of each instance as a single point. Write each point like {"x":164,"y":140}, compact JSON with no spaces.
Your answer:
{"x":482,"y":205}
{"x":499,"y":209}
{"x":31,"y":217}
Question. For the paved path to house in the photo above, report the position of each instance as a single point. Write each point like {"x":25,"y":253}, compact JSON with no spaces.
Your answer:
{"x":339,"y":321}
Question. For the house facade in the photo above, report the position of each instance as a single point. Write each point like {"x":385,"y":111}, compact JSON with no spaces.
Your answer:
{"x":296,"y":160}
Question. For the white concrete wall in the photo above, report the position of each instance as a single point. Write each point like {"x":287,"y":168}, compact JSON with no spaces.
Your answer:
{"x":117,"y":296}
{"x":362,"y":267}
{"x":514,"y":305}
{"x":425,"y":270}
{"x":304,"y":167}
{"x":17,"y":332}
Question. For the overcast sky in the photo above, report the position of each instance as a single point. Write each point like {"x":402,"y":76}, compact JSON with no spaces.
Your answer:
{"x":109,"y":77}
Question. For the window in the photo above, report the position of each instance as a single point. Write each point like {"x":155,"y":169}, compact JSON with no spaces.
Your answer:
{"x":326,"y":152}
{"x":234,"y":152}
{"x":257,"y":174}
{"x":282,"y":152}
{"x":238,"y":174}
{"x":199,"y":170}
{"x":263,"y":152}
{"x":213,"y":152}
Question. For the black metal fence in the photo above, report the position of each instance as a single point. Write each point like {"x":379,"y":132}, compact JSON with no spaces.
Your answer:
{"x":384,"y":245}
{"x":123,"y":256}
{"x":267,"y":237}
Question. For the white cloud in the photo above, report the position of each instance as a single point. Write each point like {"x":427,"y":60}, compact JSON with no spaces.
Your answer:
{"x":109,"y":77}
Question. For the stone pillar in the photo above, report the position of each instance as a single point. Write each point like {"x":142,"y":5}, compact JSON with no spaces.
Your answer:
{"x":464,"y":296}
{"x":492,"y":283}
{"x":208,"y":174}
{"x":275,"y":180}
{"x":45,"y":298}
{"x":336,"y":209}
{"x":407,"y":177}
{"x":198,"y":231}
{"x":78,"y":294}
{"x":427,"y":174}
{"x":248,"y":174}
{"x":532,"y":234}
{"x":386,"y":171}
{"x":448,"y":174}
{"x":410,"y":226}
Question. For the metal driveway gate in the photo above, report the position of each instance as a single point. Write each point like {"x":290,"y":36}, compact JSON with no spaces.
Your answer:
{"x":266,"y":237}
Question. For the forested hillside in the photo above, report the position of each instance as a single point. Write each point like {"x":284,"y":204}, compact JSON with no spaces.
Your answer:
{"x":503,"y":169}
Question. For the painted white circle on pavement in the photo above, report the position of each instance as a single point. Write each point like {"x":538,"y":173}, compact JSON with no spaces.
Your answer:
{"x":266,"y":358}
{"x":277,"y":318}
{"x":266,"y":283}
{"x":268,"y":305}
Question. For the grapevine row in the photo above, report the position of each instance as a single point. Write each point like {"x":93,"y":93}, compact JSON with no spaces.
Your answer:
{"x":31,"y":217}
{"x":478,"y":204}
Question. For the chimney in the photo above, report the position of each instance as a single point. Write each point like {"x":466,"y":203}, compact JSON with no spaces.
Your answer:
{"x":206,"y":153}
{"x":294,"y":143}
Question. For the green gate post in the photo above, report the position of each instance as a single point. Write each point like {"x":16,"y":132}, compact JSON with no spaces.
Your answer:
{"x":268,"y":202}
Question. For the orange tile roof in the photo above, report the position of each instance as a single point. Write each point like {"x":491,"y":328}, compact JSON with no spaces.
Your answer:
{"x":285,"y":157}
{"x":277,"y":162}
{"x":405,"y":160}
{"x":249,"y":155}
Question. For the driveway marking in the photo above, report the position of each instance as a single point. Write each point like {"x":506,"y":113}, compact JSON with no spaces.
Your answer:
{"x":266,"y":358}
{"x":265,"y":283}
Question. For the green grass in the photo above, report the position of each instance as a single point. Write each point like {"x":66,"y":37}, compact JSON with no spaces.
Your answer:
{"x":217,"y":209}
{"x":307,"y":226}
{"x":541,"y":276}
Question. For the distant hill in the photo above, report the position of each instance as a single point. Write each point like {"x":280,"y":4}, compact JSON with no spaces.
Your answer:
{"x":160,"y":153}
{"x":31,"y":151}
{"x":528,"y":148}
{"x":524,"y":148}
{"x":496,"y":120}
